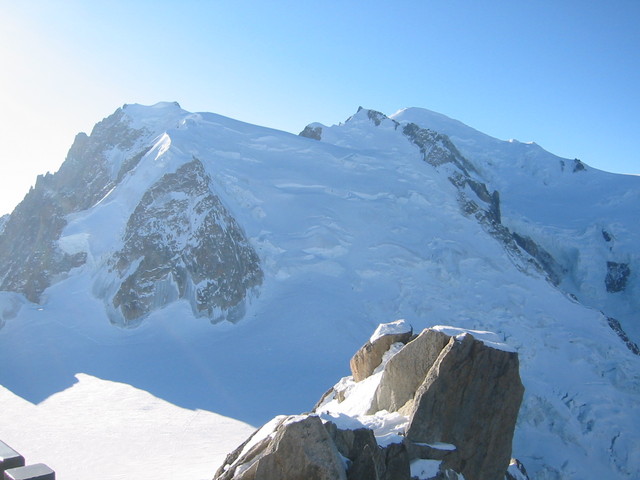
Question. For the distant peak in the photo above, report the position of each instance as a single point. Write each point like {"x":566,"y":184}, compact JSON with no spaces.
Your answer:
{"x":159,"y":116}
{"x":157,"y":106}
{"x":372,"y":115}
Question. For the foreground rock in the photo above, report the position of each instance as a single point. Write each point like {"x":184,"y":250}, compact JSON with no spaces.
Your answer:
{"x":291,"y":447}
{"x":442,"y":405}
{"x":470,"y":398}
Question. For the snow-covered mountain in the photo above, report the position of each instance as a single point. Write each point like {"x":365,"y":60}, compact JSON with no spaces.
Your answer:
{"x":253,"y":262}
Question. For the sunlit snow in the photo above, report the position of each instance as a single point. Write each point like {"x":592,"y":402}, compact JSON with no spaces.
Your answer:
{"x":352,"y":231}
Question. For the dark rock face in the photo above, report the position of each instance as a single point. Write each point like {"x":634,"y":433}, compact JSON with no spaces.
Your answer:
{"x":181,"y":242}
{"x":578,"y":166}
{"x":87,"y":175}
{"x":436,"y":148}
{"x":312,"y":132}
{"x":617,"y":276}
{"x":553,"y":270}
{"x":470,"y":398}
{"x":30,"y":258}
{"x":375,"y":117}
{"x":617,"y":328}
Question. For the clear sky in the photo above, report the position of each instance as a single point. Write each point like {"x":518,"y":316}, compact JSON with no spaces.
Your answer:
{"x":564,"y":74}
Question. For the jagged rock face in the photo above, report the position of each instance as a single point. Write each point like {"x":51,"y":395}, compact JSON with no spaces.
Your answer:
{"x":617,"y":328}
{"x":436,"y":148}
{"x":181,"y":242}
{"x":30,"y":257}
{"x":617,"y":276}
{"x":314,"y":133}
{"x":470,"y":398}
{"x":546,"y":261}
{"x":87,"y":173}
{"x":578,"y":166}
{"x":461,"y":396}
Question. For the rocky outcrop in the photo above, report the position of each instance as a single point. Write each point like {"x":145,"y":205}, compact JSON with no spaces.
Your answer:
{"x":293,"y":448}
{"x":617,"y":276}
{"x":30,"y":258}
{"x":436,"y":148}
{"x":617,"y":328}
{"x":578,"y":166}
{"x":442,"y":406}
{"x":181,"y":242}
{"x":544,"y":259}
{"x":369,"y":357}
{"x":313,"y":132}
{"x":470,"y":398}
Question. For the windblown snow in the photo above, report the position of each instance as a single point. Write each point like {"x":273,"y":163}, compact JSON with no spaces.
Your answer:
{"x":351,"y":231}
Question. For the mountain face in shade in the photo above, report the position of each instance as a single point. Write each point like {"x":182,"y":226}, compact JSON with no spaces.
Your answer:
{"x":246,"y":259}
{"x":179,"y":241}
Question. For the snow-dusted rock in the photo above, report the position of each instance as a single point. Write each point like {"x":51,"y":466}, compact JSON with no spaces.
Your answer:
{"x":617,"y":276}
{"x":298,"y":448}
{"x":181,"y":242}
{"x":369,"y":357}
{"x":462,"y":401}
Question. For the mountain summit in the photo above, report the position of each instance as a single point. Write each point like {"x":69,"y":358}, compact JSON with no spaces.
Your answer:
{"x":241,"y":258}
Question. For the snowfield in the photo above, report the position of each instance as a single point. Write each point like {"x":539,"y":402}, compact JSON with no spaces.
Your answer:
{"x":117,"y":431}
{"x":352,"y":231}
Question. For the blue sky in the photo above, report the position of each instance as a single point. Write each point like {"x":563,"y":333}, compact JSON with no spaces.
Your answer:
{"x":564,"y":74}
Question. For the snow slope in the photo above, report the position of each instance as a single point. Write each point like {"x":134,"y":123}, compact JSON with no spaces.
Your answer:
{"x":117,"y":431}
{"x":582,"y":216}
{"x":352,"y":231}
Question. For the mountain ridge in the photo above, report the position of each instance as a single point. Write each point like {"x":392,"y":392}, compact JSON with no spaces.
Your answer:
{"x":351,"y":231}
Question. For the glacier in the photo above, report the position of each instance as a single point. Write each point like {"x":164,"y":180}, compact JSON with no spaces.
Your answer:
{"x":356,"y":226}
